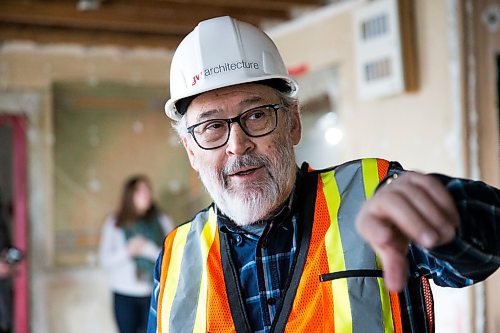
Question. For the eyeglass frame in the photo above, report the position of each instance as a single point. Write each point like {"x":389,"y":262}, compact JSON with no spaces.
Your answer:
{"x":237,"y":119}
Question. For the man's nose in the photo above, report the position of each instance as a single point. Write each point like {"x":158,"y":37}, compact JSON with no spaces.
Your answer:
{"x":239,"y":142}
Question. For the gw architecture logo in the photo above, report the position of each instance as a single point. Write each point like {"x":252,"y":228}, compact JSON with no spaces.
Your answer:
{"x":222,"y":68}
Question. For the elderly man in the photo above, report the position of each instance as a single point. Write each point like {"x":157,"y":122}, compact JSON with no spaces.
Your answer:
{"x":292,"y":249}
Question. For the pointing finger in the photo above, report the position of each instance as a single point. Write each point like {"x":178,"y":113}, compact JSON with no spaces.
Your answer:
{"x":395,"y":267}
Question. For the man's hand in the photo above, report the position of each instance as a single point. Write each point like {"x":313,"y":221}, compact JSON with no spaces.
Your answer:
{"x":413,"y":208}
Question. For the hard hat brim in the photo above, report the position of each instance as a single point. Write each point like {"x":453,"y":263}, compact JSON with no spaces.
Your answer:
{"x":172,"y":112}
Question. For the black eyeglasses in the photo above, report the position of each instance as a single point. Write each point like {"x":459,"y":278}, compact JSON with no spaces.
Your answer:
{"x":256,"y":122}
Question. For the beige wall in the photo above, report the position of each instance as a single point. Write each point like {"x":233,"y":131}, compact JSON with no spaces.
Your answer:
{"x":418,"y":129}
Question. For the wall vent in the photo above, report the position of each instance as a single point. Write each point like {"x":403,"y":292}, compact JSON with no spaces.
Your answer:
{"x":380,"y":52}
{"x":375,"y":27}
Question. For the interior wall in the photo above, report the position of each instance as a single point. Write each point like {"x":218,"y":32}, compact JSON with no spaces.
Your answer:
{"x":105,"y":134}
{"x":394,"y":127}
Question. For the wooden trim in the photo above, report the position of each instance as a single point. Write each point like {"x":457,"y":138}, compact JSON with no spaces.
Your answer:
{"x":150,"y":23}
{"x":481,"y":47}
{"x":174,"y":18}
{"x":409,"y":44}
{"x":482,"y":105}
{"x":50,"y":35}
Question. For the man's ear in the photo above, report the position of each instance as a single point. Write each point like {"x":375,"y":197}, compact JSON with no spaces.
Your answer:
{"x":189,"y":151}
{"x":295,"y":124}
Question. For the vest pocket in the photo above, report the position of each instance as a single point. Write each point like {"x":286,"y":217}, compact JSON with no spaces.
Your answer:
{"x":350,"y":273}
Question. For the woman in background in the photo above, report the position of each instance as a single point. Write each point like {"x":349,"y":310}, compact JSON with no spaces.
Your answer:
{"x":130,"y":242}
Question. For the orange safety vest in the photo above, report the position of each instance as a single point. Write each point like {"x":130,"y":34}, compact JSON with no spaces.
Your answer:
{"x":336,"y":283}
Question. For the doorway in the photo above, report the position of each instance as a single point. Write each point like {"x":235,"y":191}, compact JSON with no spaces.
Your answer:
{"x":13,"y":180}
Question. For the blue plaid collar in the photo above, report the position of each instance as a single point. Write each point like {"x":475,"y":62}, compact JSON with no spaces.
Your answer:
{"x":228,"y":226}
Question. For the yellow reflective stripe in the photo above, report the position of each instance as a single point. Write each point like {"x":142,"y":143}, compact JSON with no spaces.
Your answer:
{"x":335,"y":255}
{"x":371,"y":180}
{"x":207,"y":239}
{"x":370,"y":176}
{"x":385,"y":300}
{"x":173,"y":274}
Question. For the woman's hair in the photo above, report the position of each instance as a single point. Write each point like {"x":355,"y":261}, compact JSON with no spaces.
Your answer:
{"x":127,"y":213}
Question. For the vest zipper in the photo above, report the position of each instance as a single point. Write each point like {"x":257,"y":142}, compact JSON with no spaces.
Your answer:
{"x":428,"y":303}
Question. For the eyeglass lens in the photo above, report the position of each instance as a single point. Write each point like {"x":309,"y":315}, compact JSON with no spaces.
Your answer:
{"x":255,"y":122}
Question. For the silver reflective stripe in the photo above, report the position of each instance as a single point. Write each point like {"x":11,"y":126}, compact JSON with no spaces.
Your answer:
{"x":364,"y":294}
{"x":183,"y":313}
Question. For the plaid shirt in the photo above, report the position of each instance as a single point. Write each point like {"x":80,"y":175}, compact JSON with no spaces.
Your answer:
{"x":263,"y":253}
{"x":475,"y":253}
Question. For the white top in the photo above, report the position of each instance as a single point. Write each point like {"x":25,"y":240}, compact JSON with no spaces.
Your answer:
{"x":115,"y":259}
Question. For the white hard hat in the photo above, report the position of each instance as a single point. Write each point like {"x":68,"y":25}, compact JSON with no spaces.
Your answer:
{"x":221,"y":52}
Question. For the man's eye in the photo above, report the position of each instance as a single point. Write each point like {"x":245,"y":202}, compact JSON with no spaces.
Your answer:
{"x":213,"y":125}
{"x":255,"y":115}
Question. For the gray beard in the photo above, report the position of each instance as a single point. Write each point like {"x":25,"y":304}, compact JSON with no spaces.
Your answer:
{"x":257,"y":200}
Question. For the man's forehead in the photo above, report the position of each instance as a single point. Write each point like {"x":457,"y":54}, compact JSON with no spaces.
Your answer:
{"x":238,"y":96}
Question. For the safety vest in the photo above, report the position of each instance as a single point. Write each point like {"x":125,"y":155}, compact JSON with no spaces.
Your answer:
{"x":336,"y":284}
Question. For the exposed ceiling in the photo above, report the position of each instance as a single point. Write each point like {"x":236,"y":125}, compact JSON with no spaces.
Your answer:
{"x":152,"y":23}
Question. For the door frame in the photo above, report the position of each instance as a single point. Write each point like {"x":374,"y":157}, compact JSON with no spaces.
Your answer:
{"x":20,"y":232}
{"x":481,"y":46}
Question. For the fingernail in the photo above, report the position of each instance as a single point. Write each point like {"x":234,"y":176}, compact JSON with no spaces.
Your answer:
{"x":428,"y":238}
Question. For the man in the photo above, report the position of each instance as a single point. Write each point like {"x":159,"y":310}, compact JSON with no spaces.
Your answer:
{"x":278,"y":249}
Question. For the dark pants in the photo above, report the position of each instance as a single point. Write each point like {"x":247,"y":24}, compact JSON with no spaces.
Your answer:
{"x":5,"y":305}
{"x":131,"y":313}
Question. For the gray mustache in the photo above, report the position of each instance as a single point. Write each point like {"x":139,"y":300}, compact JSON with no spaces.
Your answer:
{"x":244,"y":162}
